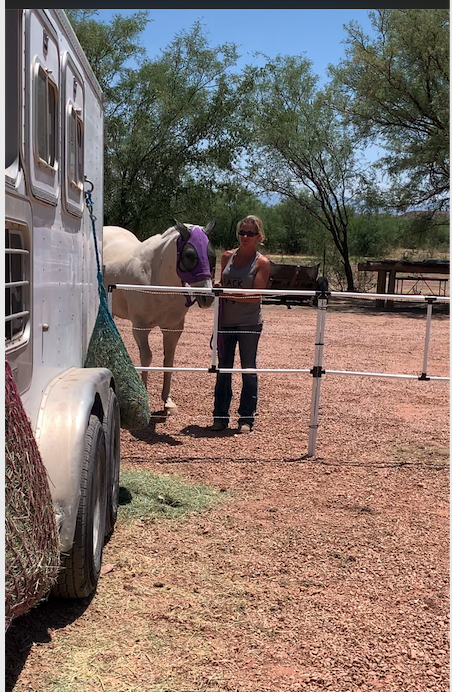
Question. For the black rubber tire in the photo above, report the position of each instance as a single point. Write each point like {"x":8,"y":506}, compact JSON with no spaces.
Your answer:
{"x":80,"y":568}
{"x":112,"y":429}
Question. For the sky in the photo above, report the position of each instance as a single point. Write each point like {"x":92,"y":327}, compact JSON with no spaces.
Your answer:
{"x":318,"y":35}
{"x":315,"y":34}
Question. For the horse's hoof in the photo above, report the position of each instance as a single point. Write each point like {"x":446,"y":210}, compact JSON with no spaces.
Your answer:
{"x":170,"y":409}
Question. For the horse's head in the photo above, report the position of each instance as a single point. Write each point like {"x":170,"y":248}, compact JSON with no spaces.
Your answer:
{"x":196,"y":258}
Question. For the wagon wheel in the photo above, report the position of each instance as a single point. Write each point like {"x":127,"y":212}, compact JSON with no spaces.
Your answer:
{"x":80,"y":568}
{"x":112,"y":442}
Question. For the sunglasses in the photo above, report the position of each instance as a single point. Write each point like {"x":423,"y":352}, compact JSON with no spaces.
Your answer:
{"x":249,"y":234}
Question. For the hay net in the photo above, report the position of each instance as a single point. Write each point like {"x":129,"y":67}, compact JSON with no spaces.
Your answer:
{"x":32,"y":549}
{"x":106,"y":349}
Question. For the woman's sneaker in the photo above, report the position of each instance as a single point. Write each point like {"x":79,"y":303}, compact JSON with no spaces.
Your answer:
{"x":244,"y":428}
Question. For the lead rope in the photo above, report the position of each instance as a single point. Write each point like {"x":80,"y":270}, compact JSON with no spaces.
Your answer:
{"x":90,"y":206}
{"x":188,"y":301}
{"x":101,"y":288}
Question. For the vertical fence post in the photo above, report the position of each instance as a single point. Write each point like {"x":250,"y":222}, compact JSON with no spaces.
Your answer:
{"x":216,"y":315}
{"x":317,"y":370}
{"x":110,"y":298}
{"x":429,"y":301}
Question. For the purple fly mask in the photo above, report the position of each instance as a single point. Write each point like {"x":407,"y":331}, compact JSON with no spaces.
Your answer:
{"x":195,"y":257}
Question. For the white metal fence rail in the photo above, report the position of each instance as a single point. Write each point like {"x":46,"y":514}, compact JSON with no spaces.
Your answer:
{"x":317,"y":369}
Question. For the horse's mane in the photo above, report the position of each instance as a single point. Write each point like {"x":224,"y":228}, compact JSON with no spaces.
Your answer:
{"x":163,"y":238}
{"x":158,"y":238}
{"x":168,"y":231}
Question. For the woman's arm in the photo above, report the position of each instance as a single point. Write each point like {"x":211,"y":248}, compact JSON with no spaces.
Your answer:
{"x":223,"y":262}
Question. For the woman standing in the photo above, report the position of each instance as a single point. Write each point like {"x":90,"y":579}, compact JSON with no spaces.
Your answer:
{"x":240,"y":322}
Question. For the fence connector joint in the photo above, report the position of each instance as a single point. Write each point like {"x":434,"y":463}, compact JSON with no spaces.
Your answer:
{"x":317,"y":371}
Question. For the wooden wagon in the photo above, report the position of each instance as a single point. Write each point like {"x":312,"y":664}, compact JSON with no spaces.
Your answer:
{"x":297,"y":277}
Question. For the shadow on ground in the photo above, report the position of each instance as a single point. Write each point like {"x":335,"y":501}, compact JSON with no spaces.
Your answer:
{"x":202,"y":431}
{"x":150,"y":434}
{"x":34,"y":628}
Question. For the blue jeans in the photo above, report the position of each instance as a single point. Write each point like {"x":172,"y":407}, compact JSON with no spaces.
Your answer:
{"x":231,"y":336}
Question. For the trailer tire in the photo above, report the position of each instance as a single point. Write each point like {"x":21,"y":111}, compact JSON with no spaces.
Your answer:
{"x":80,"y":568}
{"x":112,"y":429}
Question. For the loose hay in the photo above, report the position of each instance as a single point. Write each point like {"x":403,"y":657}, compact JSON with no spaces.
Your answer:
{"x":145,"y":494}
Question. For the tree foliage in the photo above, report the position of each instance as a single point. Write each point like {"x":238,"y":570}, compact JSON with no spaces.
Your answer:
{"x":169,"y":126}
{"x":110,"y":46}
{"x":395,"y":90}
{"x":300,"y":149}
{"x":186,"y":135}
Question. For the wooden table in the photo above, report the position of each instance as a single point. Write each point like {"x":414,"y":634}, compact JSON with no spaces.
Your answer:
{"x":388,"y":270}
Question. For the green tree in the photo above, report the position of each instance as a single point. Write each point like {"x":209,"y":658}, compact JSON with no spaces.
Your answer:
{"x":300,"y":149}
{"x":395,"y":91}
{"x":169,"y":124}
{"x":297,"y":232}
{"x":175,"y":127}
{"x":373,"y":235}
{"x":110,"y":46}
{"x":227,"y":203}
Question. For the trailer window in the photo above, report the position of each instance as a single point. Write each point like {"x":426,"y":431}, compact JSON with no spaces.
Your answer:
{"x":46,"y":117}
{"x":13,"y":23}
{"x":16,"y":263}
{"x":75,"y":147}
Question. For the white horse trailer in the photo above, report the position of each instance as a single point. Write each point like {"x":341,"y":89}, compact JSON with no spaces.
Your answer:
{"x":54,"y":146}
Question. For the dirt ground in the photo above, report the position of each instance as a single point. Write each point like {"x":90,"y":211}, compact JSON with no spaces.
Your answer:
{"x":324,"y":572}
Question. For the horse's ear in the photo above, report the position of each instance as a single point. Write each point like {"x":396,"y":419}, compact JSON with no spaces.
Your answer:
{"x":210,"y":226}
{"x":182,"y":228}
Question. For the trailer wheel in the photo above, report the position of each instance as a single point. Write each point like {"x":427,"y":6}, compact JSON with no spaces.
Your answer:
{"x":80,"y":569}
{"x":112,"y":431}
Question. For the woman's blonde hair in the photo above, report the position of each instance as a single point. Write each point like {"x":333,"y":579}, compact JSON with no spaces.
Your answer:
{"x":258,"y":225}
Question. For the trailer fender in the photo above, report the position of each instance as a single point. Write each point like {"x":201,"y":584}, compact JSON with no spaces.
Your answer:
{"x":63,"y":419}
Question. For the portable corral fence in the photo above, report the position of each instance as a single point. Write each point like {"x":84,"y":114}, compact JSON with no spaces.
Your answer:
{"x":321,"y":296}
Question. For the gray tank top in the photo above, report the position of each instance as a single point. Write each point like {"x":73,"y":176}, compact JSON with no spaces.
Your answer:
{"x":235,"y":313}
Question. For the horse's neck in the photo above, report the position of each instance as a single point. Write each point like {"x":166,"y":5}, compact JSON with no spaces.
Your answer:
{"x":160,"y":256}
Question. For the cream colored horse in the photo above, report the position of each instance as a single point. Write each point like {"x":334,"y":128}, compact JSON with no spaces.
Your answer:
{"x":180,"y":255}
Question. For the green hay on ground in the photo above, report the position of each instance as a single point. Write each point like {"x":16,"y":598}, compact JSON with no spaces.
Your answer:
{"x":145,"y":494}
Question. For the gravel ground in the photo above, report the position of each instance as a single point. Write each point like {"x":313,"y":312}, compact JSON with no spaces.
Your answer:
{"x":323,"y":572}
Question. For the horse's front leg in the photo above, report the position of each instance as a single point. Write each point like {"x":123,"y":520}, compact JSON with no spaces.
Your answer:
{"x":141,"y":337}
{"x":170,"y":340}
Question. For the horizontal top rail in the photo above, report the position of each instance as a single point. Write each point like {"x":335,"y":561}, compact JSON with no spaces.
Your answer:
{"x":217,"y":369}
{"x":270,"y":292}
{"x":398,"y":296}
